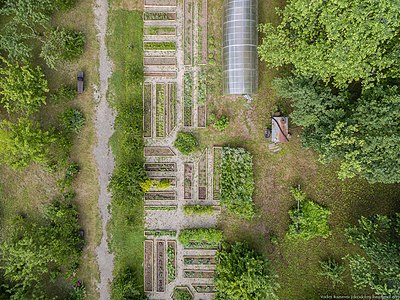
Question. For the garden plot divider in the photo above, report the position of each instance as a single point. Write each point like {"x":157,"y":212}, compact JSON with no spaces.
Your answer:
{"x":148,"y":265}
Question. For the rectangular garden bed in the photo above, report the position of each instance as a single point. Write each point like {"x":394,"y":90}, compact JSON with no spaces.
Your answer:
{"x":159,"y":46}
{"x":198,"y":274}
{"x":188,"y":180}
{"x":160,"y":108}
{"x":147,"y":111}
{"x":159,"y":233}
{"x":160,"y":30}
{"x":188,"y":99}
{"x":160,"y":167}
{"x":159,"y":61}
{"x":204,"y":288}
{"x":159,"y":16}
{"x":148,"y":266}
{"x":201,"y":99}
{"x":160,"y":266}
{"x":166,"y":74}
{"x":217,"y":172}
{"x":159,"y":2}
{"x":161,"y":207}
{"x":171,"y":108}
{"x":171,"y":179}
{"x":199,"y":260}
{"x":171,"y":261}
{"x":188,"y":32}
{"x":202,"y":173}
{"x":203,"y":32}
{"x":158,"y":151}
{"x":160,"y":196}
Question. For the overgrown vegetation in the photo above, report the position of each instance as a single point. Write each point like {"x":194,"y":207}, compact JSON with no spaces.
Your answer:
{"x":198,"y":210}
{"x":333,"y":271}
{"x":200,"y":238}
{"x":309,"y":219}
{"x":237,"y":184}
{"x":222,"y":123}
{"x":125,"y":286}
{"x":186,"y":143}
{"x":242,"y":274}
{"x":182,"y":294}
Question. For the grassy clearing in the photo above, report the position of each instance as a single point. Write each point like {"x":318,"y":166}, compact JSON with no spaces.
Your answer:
{"x":296,"y":262}
{"x":27,"y":191}
{"x":126,"y":96}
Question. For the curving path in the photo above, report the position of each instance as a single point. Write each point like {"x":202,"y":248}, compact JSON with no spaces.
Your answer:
{"x":104,"y":158}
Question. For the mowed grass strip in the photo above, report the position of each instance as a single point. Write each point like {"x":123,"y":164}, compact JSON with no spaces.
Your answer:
{"x":125,"y":46}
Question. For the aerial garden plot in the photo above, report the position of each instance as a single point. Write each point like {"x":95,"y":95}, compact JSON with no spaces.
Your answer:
{"x":221,"y":199}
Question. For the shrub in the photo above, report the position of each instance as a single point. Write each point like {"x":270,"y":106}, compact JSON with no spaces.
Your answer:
{"x":237,"y":183}
{"x":332,"y":270}
{"x":73,"y":42}
{"x":242,"y":274}
{"x":198,"y":209}
{"x":222,"y":123}
{"x":163,"y":184}
{"x":125,"y":286}
{"x":309,"y":219}
{"x":64,"y":93}
{"x":186,"y":143}
{"x":200,"y":238}
{"x":182,"y":294}
{"x":73,"y":120}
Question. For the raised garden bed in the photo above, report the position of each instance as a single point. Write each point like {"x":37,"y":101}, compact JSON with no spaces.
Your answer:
{"x":160,"y":196}
{"x":160,"y":207}
{"x":188,"y":99}
{"x":188,"y":32}
{"x":198,"y":274}
{"x":159,"y":16}
{"x":171,"y":261}
{"x":165,"y":74}
{"x":148,"y":266}
{"x":202,"y":116}
{"x":200,"y":238}
{"x":147,"y":113}
{"x":158,"y":233}
{"x":204,"y":288}
{"x":171,"y":107}
{"x":201,"y":99}
{"x":217,"y":172}
{"x":202,"y":173}
{"x":160,"y":266}
{"x":159,"y":2}
{"x":199,"y":260}
{"x":188,"y":180}
{"x":160,"y":167}
{"x":159,"y":46}
{"x":160,"y":30}
{"x":159,"y":61}
{"x":160,"y":107}
{"x":158,"y":151}
{"x":203,"y":32}
{"x":170,"y":179}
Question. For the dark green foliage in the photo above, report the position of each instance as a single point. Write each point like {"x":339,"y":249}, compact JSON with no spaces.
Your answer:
{"x":309,"y":219}
{"x":200,"y":238}
{"x":70,"y":174}
{"x":242,"y":274}
{"x":379,"y":265}
{"x":186,"y":143}
{"x":332,"y":270}
{"x":65,"y":4}
{"x":78,"y":293}
{"x":125,"y":287}
{"x":342,"y":40}
{"x":73,"y":120}
{"x":237,"y":184}
{"x":360,"y":133}
{"x":182,"y":294}
{"x":35,"y":252}
{"x":222,"y":123}
{"x":64,"y":93}
{"x":73,"y":44}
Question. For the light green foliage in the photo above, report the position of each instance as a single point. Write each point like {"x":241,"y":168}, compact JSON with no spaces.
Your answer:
{"x":147,"y":185}
{"x":62,"y":44}
{"x":23,"y":143}
{"x":222,"y":123}
{"x":171,"y":263}
{"x":35,"y":251}
{"x":379,"y":267}
{"x":64,"y":93}
{"x":346,"y":40}
{"x":22,"y":88}
{"x":362,"y":134}
{"x":242,"y":274}
{"x":237,"y":184}
{"x":198,"y":210}
{"x":309,"y":219}
{"x":186,"y":143}
{"x":73,"y":120}
{"x":124,"y":286}
{"x":163,"y":184}
{"x":182,"y":294}
{"x":200,"y":238}
{"x":332,"y":270}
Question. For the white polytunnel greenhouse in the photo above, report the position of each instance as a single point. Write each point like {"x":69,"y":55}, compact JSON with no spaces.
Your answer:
{"x":240,"y":47}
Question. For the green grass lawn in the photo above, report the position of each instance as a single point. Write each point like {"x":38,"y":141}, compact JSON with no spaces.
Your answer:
{"x":296,"y":262}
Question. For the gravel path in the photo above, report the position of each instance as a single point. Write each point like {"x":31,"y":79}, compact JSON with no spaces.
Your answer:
{"x":105,"y":161}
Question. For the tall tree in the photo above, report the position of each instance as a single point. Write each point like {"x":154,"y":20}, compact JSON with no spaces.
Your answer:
{"x":379,"y":266}
{"x":344,"y":40}
{"x":22,"y":88}
{"x":362,"y":133}
{"x":23,"y":143}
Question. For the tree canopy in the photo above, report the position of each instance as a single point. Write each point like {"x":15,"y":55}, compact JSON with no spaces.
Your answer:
{"x":342,"y":41}
{"x":379,"y":265}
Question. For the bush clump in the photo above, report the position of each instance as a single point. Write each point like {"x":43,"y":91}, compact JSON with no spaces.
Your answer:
{"x":200,"y":238}
{"x":73,"y":120}
{"x":237,"y":184}
{"x":186,"y":143}
{"x":222,"y":123}
{"x":309,"y":219}
{"x":64,"y":93}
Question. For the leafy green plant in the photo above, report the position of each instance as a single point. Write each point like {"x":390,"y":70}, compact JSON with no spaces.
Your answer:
{"x":309,"y":219}
{"x":70,"y":174}
{"x":186,"y":143}
{"x":200,"y":238}
{"x":198,"y":210}
{"x":332,"y":270}
{"x":73,"y":120}
{"x":182,"y":294}
{"x":163,"y":184}
{"x":242,"y":274}
{"x":147,"y":185}
{"x":171,"y":263}
{"x":222,"y":123}
{"x":64,"y":93}
{"x":237,"y":184}
{"x":125,"y":286}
